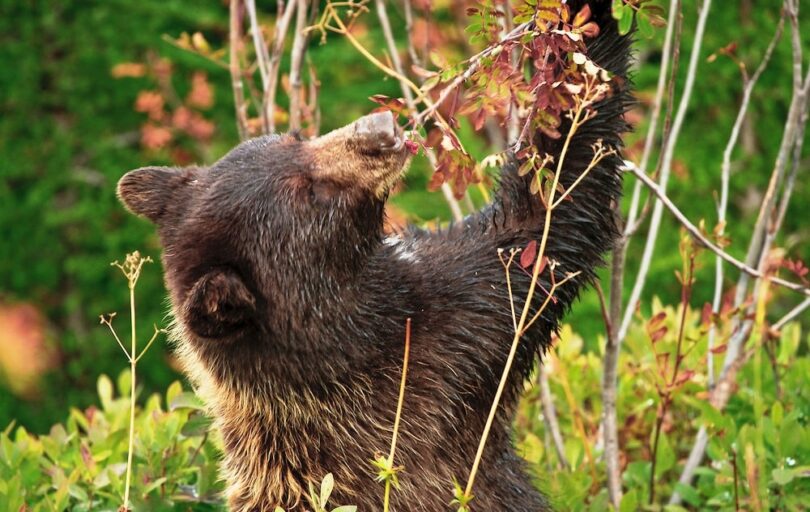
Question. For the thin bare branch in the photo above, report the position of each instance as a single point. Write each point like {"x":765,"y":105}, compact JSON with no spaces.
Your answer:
{"x":725,"y":178}
{"x":666,"y":167}
{"x":610,"y":428}
{"x":550,"y":417}
{"x":280,"y":34}
{"x":235,"y":41}
{"x":473,"y":63}
{"x":649,"y":140}
{"x":296,"y":63}
{"x":382,"y":14}
{"x":792,"y":314}
{"x":695,"y":232}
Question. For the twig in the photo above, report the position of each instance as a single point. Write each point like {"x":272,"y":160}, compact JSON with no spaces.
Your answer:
{"x":695,"y":232}
{"x":667,"y":393}
{"x":756,"y":246}
{"x":756,"y":253}
{"x":474,"y":63}
{"x":550,"y":417}
{"x":666,"y":53}
{"x":415,"y":60}
{"x":792,"y":314}
{"x":280,"y":34}
{"x":666,"y":167}
{"x":262,"y":57}
{"x":610,"y":428}
{"x":236,"y":71}
{"x":725,"y":178}
{"x":382,"y":14}
{"x":296,"y":61}
{"x":578,"y":116}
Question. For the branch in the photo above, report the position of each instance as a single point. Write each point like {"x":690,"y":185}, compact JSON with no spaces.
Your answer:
{"x":610,"y":428}
{"x":236,"y":71}
{"x":792,"y":314}
{"x":666,"y":53}
{"x":280,"y":34}
{"x":296,"y":61}
{"x":695,"y":232}
{"x":474,"y":63}
{"x":666,"y":167}
{"x":382,"y":13}
{"x":725,"y":175}
{"x":550,"y":417}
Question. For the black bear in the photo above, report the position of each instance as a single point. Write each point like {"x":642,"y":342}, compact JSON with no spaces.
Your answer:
{"x":290,"y":305}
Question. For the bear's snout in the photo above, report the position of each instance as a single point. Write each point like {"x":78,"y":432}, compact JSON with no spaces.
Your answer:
{"x":379,"y":131}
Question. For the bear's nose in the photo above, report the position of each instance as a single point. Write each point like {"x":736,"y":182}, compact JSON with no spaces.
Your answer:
{"x":379,"y":131}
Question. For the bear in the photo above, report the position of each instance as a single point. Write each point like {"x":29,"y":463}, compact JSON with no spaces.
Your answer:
{"x":290,"y":305}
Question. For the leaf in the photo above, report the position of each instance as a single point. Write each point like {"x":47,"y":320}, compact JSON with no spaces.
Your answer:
{"x":186,"y":400}
{"x":197,"y":425}
{"x":582,"y":16}
{"x":626,"y":21}
{"x":327,"y":485}
{"x":783,"y":476}
{"x":105,"y":391}
{"x":529,"y":254}
{"x":658,"y":334}
{"x":618,"y":9}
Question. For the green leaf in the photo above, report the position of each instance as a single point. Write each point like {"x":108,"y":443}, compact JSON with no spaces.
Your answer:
{"x":197,"y":425}
{"x":626,"y":21}
{"x":666,"y":456}
{"x":618,"y":9}
{"x":125,"y":382}
{"x":345,"y":508}
{"x":327,"y":485}
{"x":783,"y":476}
{"x":629,"y":502}
{"x":105,"y":391}
{"x":777,"y":413}
{"x":186,"y":400}
{"x":689,"y":494}
{"x":645,"y":28}
{"x":175,"y":389}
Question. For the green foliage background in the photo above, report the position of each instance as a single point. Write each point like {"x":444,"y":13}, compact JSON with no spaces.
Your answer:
{"x":68,"y":131}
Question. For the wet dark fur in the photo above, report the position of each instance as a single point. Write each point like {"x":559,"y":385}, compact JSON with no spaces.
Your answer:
{"x":291,"y":312}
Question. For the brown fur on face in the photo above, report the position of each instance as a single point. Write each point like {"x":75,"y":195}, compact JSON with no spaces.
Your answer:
{"x":290,"y":307}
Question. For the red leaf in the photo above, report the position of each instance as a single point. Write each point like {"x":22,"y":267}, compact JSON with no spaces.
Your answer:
{"x":529,"y":254}
{"x":719,"y":349}
{"x":656,"y":320}
{"x":656,"y":335}
{"x":706,"y":315}
{"x":684,"y":377}
{"x":582,"y":16}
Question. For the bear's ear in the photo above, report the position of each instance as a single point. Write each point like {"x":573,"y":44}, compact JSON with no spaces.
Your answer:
{"x":147,"y":191}
{"x":219,"y":303}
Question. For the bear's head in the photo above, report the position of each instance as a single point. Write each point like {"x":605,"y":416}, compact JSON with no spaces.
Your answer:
{"x":257,"y":240}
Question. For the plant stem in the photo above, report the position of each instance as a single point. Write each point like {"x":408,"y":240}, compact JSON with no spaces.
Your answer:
{"x":666,"y":167}
{"x":132,"y":363}
{"x":390,"y":461}
{"x":538,"y":264}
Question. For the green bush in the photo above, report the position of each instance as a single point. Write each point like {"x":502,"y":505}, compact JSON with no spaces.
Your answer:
{"x":80,"y":465}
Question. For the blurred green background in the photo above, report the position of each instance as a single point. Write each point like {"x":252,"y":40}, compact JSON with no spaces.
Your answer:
{"x":71,"y":124}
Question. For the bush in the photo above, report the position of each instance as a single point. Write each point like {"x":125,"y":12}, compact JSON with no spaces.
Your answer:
{"x":80,"y":464}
